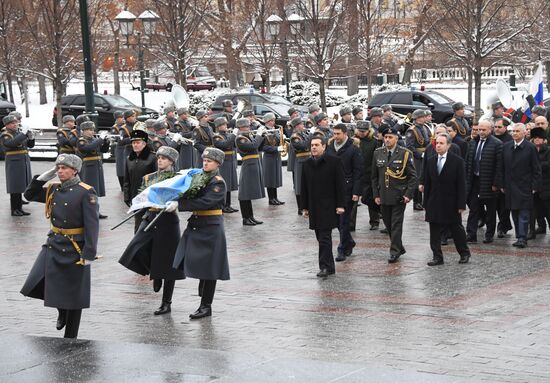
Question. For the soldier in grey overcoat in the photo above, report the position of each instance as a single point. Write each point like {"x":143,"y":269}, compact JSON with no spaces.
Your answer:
{"x":184,"y":127}
{"x":90,"y":149}
{"x":61,"y":273}
{"x":272,"y":164}
{"x":251,"y":184}
{"x":202,"y":250}
{"x":120,"y":150}
{"x":300,"y":141}
{"x":225,"y":141}
{"x":417,"y":139}
{"x":64,"y":134}
{"x":202,"y":134}
{"x":17,"y":162}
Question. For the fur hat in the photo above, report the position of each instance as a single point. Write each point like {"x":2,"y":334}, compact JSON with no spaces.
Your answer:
{"x":214,"y":154}
{"x":70,"y":160}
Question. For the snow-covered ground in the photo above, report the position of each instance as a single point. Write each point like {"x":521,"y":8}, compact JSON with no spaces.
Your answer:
{"x":40,"y":116}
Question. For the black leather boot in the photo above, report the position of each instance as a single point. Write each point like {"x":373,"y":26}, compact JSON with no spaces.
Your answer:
{"x":61,"y":319}
{"x":157,"y":284}
{"x":164,"y":308}
{"x":202,"y":311}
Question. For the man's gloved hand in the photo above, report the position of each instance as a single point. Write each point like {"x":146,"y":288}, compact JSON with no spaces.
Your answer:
{"x":171,"y":206}
{"x":177,"y":137}
{"x":260,"y":131}
{"x":30,"y":134}
{"x":235,"y":131}
{"x":48,"y":175}
{"x":103,"y":134}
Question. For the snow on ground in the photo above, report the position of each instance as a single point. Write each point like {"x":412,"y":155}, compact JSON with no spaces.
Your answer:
{"x":40,"y":116}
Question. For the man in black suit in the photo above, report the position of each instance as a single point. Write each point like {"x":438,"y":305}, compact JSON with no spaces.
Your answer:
{"x":323,"y":199}
{"x":522,"y":177}
{"x":483,"y":180}
{"x":445,"y":199}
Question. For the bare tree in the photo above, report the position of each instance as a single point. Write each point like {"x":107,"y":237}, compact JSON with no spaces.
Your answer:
{"x":319,"y":40}
{"x":10,"y":37}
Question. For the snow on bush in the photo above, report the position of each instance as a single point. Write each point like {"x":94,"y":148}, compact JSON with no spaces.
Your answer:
{"x":306,"y":93}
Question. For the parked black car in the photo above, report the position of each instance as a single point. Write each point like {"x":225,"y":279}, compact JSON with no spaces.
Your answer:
{"x":105,"y":106}
{"x":261,"y":104}
{"x":406,"y":101}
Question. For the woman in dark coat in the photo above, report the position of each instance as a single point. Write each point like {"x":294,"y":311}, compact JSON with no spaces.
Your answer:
{"x":152,"y":252}
{"x":202,"y":251}
{"x":139,"y":163}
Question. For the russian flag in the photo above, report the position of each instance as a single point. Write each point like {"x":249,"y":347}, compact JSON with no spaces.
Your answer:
{"x":535,"y":95}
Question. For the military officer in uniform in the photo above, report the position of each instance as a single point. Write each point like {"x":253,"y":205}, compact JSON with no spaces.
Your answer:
{"x":393,"y":185}
{"x":251,"y":183}
{"x":125,"y":130}
{"x":90,"y":149}
{"x":170,"y":118}
{"x":300,"y":141}
{"x":61,"y":273}
{"x":323,"y":129}
{"x":357,"y":112}
{"x":227,"y":106}
{"x":63,"y":135}
{"x":313,"y":110}
{"x":291,"y":156}
{"x":254,"y":124}
{"x":272,"y":163}
{"x":152,"y":252}
{"x":184,"y":127}
{"x":460,"y":123}
{"x":417,"y":140}
{"x":202,"y":134}
{"x":346,"y":114}
{"x":376,"y":115}
{"x":202,"y":250}
{"x":161,"y":139}
{"x":17,"y":162}
{"x":225,"y":141}
{"x":120,"y":151}
{"x":388,"y":118}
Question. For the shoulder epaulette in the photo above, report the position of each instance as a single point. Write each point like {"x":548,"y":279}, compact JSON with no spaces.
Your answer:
{"x":85,"y":185}
{"x":218,"y":178}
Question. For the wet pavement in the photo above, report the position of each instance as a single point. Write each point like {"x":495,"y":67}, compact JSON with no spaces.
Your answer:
{"x":275,"y":320}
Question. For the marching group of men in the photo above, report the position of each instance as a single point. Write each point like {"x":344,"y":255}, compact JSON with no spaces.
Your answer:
{"x":494,"y":167}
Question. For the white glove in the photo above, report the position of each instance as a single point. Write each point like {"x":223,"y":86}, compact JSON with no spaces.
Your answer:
{"x":48,"y":175}
{"x":260,"y":131}
{"x":235,"y":131}
{"x":401,"y":121}
{"x":103,"y":134}
{"x":176,"y":137}
{"x":171,"y":206}
{"x":30,"y":135}
{"x":312,"y":130}
{"x":280,"y":148}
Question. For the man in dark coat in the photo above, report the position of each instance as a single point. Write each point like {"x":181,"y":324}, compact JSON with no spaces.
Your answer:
{"x":347,"y":149}
{"x":483,"y":180}
{"x":457,"y":139}
{"x":522,"y":177}
{"x":299,"y":141}
{"x":202,"y":250}
{"x":184,"y":128}
{"x":61,"y":275}
{"x":417,"y":139}
{"x":541,"y":211}
{"x":119,"y":150}
{"x":445,"y":199}
{"x":225,"y":141}
{"x":504,"y":222}
{"x":139,"y":163}
{"x":272,"y":167}
{"x":251,"y":183}
{"x":323,"y":199}
{"x":17,"y":162}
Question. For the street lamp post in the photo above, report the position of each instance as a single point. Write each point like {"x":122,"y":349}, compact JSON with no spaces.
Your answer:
{"x":87,"y":53}
{"x":274,"y":28}
{"x":126,"y":21}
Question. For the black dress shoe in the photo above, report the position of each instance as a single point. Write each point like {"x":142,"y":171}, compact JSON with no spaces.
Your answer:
{"x":340,"y":258}
{"x":501,"y":234}
{"x":101,"y":216}
{"x":531,"y":235}
{"x":256,"y":221}
{"x":157,"y":284}
{"x":515,"y":244}
{"x":280,"y":202}
{"x":373,"y":227}
{"x":394,"y":258}
{"x":61,"y":320}
{"x":24,"y":212}
{"x":522,"y":244}
{"x":227,"y":209}
{"x":444,"y":241}
{"x":384,"y":231}
{"x":164,"y":308}
{"x":248,"y":222}
{"x":273,"y":202}
{"x":231,"y":209}
{"x":464,"y":259}
{"x":17,"y":213}
{"x":324,"y":273}
{"x":436,"y":262}
{"x":418,"y":207}
{"x":540,"y":230}
{"x":488,"y":240}
{"x":202,"y":311}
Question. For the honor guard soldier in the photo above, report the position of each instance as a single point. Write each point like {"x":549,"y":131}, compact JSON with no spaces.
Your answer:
{"x":393,"y":184}
{"x":272,"y":163}
{"x":314,"y":110}
{"x":289,"y":130}
{"x":376,"y":115}
{"x":202,"y":250}
{"x":300,"y":141}
{"x":430,"y":125}
{"x":388,"y":118}
{"x":498,"y":112}
{"x":152,"y":252}
{"x":151,"y":135}
{"x":17,"y":162}
{"x":126,"y":129}
{"x":60,"y":275}
{"x":120,"y":155}
{"x":227,"y":112}
{"x":251,"y":184}
{"x":75,"y":133}
{"x":417,"y":140}
{"x":225,"y":141}
{"x":346,"y":114}
{"x":170,"y":118}
{"x":254,"y":124}
{"x":357,"y":112}
{"x":203,"y":133}
{"x":460,"y":123}
{"x":184,"y":127}
{"x":161,"y":139}
{"x":63,"y":135}
{"x":90,"y":149}
{"x":323,"y":129}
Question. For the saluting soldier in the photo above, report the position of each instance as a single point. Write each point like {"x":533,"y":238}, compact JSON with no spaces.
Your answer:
{"x":17,"y":162}
{"x":161,"y":139}
{"x":152,"y":252}
{"x":203,"y":133}
{"x":120,"y":151}
{"x":225,"y":141}
{"x":90,"y":149}
{"x":63,"y":135}
{"x":300,"y":141}
{"x":184,"y":127}
{"x":202,"y":250}
{"x":272,"y":163}
{"x":323,"y":129}
{"x":393,"y":186}
{"x":417,"y":140}
{"x":251,"y":183}
{"x":60,"y":275}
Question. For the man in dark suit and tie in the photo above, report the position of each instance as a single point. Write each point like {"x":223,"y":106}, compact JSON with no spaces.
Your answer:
{"x":445,"y":199}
